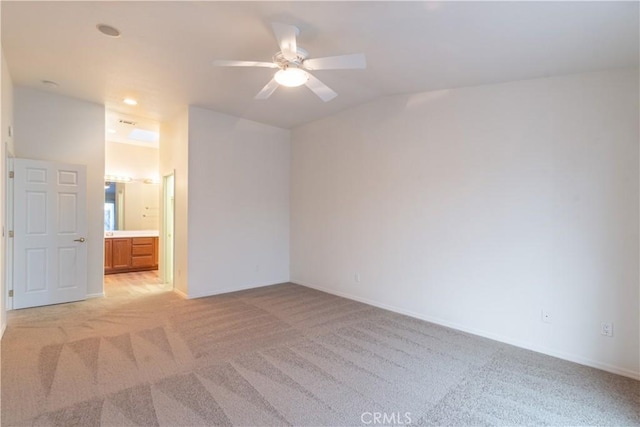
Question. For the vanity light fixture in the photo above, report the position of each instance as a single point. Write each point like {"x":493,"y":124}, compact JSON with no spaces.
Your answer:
{"x":114,"y":178}
{"x":152,"y":181}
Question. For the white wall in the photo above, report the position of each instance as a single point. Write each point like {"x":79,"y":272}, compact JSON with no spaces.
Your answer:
{"x":62,"y":129}
{"x":7,"y":106}
{"x":479,"y":207}
{"x":174,"y":156}
{"x":238,"y":203}
{"x":135,"y":161}
{"x":6,"y":149}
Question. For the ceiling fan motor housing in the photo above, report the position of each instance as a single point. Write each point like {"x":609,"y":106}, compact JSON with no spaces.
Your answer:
{"x":282,"y":62}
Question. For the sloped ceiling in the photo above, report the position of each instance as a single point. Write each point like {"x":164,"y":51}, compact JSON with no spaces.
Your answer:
{"x":164,"y":55}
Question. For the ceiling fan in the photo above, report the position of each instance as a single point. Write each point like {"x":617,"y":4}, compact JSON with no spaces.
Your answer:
{"x":294,"y":65}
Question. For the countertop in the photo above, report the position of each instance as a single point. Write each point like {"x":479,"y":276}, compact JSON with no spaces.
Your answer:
{"x":130,"y":233}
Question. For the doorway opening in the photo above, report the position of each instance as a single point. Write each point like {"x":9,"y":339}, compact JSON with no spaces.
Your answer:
{"x":132,"y":206}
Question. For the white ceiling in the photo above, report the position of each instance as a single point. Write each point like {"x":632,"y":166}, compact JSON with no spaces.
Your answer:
{"x":164,"y":56}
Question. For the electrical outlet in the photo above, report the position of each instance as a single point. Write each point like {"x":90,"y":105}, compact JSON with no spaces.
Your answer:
{"x":606,"y":329}
{"x":357,"y":277}
{"x":546,"y":316}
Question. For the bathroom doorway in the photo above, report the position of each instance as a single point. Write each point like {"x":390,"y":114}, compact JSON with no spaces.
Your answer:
{"x":132,"y":209}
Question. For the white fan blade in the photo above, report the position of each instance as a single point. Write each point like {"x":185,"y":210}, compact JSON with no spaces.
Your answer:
{"x":323,"y":91}
{"x":286,"y":36}
{"x":341,"y":62}
{"x":231,"y":63}
{"x":267,"y":90}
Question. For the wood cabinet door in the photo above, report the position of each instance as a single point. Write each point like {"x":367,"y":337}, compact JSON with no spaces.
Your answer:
{"x":155,"y":252}
{"x":121,"y":253}
{"x":108,"y":254}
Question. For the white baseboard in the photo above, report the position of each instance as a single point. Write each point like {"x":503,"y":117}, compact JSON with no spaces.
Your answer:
{"x":179,"y":292}
{"x":528,"y":346}
{"x":236,"y":289}
{"x":96,"y":295}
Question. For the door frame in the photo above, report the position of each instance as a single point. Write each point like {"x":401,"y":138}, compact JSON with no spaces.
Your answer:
{"x":8,"y":241}
{"x":168,"y":245}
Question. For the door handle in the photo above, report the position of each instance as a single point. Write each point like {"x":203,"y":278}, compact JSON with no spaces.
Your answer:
{"x":81,"y":240}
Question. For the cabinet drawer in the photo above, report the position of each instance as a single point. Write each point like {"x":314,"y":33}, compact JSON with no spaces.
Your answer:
{"x":142,"y":261}
{"x":142,"y":241}
{"x":142,"y":250}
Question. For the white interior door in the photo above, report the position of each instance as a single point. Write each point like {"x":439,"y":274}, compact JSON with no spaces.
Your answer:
{"x":50,"y":226}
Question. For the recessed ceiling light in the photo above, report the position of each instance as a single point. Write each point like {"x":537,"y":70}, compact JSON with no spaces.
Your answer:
{"x":111,"y":130}
{"x":130,"y":101}
{"x":108,"y":30}
{"x":50,"y":83}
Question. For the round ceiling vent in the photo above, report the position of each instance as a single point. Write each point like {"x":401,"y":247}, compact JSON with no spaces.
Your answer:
{"x":50,"y":83}
{"x":108,"y":30}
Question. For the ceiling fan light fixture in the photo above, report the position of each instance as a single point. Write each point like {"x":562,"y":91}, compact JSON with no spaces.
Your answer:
{"x":292,"y":77}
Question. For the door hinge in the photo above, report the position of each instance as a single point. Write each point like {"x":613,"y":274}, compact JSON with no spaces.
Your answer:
{"x":10,"y":233}
{"x":12,"y":174}
{"x":11,"y":293}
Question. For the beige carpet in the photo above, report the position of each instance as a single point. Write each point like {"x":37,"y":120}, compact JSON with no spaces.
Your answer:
{"x":282,"y":355}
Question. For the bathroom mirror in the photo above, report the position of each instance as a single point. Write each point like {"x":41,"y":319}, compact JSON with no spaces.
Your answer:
{"x":132,"y":205}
